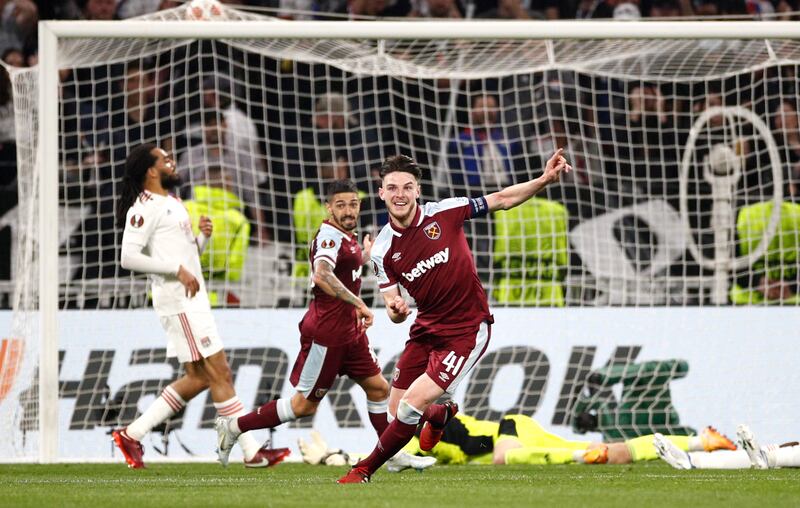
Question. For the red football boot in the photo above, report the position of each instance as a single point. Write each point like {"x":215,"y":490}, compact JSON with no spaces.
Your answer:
{"x":431,"y":433}
{"x":355,"y":475}
{"x":266,"y":457}
{"x":131,"y":449}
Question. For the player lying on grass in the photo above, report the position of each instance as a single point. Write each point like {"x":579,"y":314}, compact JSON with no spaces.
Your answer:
{"x":519,"y":439}
{"x":750,"y":455}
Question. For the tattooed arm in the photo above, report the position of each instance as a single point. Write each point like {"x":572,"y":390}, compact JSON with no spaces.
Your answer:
{"x":326,"y":280}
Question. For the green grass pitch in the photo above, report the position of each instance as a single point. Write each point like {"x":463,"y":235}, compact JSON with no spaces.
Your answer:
{"x":639,"y":485}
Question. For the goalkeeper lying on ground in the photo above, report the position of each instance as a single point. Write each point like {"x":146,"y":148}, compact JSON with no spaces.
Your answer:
{"x":519,"y":439}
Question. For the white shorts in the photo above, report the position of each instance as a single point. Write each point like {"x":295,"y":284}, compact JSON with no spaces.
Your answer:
{"x":191,"y":336}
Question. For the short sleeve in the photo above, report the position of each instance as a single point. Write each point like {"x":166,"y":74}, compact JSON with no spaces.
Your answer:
{"x":386,"y":279}
{"x":455,"y":209}
{"x":140,"y":222}
{"x":326,"y":246}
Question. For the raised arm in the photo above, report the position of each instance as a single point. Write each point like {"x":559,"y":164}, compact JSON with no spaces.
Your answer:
{"x":515,"y":195}
{"x":396,"y":306}
{"x":324,"y":278}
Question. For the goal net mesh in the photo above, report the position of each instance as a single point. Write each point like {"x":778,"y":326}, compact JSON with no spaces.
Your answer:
{"x":684,"y":189}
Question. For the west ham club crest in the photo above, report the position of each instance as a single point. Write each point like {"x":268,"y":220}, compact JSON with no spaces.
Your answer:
{"x":433,"y":231}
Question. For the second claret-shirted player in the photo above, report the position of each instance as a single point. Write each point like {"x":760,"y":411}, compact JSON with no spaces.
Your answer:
{"x":424,"y":249}
{"x":333,"y":338}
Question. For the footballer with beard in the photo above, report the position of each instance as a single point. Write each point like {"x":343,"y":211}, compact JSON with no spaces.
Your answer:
{"x":158,"y":240}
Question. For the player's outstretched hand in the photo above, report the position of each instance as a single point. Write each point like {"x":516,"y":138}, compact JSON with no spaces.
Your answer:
{"x":555,"y":165}
{"x":206,"y":227}
{"x":314,"y":451}
{"x":189,"y":281}
{"x":364,"y":317}
{"x":367,"y":246}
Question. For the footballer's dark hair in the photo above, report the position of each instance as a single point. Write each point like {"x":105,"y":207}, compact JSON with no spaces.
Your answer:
{"x":139,"y":160}
{"x":402,"y":164}
{"x":339,"y":186}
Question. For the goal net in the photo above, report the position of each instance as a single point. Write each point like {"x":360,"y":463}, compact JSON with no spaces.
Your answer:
{"x":685,"y":189}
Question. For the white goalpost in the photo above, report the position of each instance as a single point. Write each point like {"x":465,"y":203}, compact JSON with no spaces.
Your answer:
{"x":673,"y":127}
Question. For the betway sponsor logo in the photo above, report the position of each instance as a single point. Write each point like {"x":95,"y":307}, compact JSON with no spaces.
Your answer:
{"x":428,"y":264}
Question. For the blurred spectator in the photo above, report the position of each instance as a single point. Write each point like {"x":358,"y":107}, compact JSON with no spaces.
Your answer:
{"x":14,"y":57}
{"x":760,"y":9}
{"x":18,"y":19}
{"x":88,"y":180}
{"x":62,"y":9}
{"x":719,"y":7}
{"x":132,"y":8}
{"x":714,"y":130}
{"x":786,"y":129}
{"x":646,"y":134}
{"x":705,"y":8}
{"x":242,"y":136}
{"x":582,"y":150}
{"x":627,"y":11}
{"x":366,"y":8}
{"x":32,"y":59}
{"x":522,"y":9}
{"x":84,"y":140}
{"x":595,"y":9}
{"x":136,"y":117}
{"x":436,"y":9}
{"x":482,"y":160}
{"x":301,"y":10}
{"x":336,"y":128}
{"x":224,"y":256}
{"x":8,"y":150}
{"x":773,"y":278}
{"x":309,"y":210}
{"x":787,"y":11}
{"x":99,"y":10}
{"x":241,"y":169}
{"x":670,"y":9}
{"x":530,"y":254}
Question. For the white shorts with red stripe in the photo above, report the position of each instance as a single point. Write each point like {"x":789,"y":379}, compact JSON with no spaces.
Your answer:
{"x":191,"y":336}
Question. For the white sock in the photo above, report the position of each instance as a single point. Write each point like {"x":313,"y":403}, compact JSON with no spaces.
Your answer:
{"x":165,"y":406}
{"x":378,"y":407}
{"x":786,"y":457}
{"x":284,"y":410}
{"x":234,"y":408}
{"x":696,"y":444}
{"x":721,"y":459}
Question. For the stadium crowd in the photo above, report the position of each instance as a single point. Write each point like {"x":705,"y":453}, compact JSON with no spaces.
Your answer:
{"x":270,"y":162}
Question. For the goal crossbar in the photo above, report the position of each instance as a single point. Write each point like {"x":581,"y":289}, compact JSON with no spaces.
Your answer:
{"x":435,"y":30}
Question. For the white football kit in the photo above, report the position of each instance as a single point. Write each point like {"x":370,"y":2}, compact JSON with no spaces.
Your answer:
{"x":158,"y":240}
